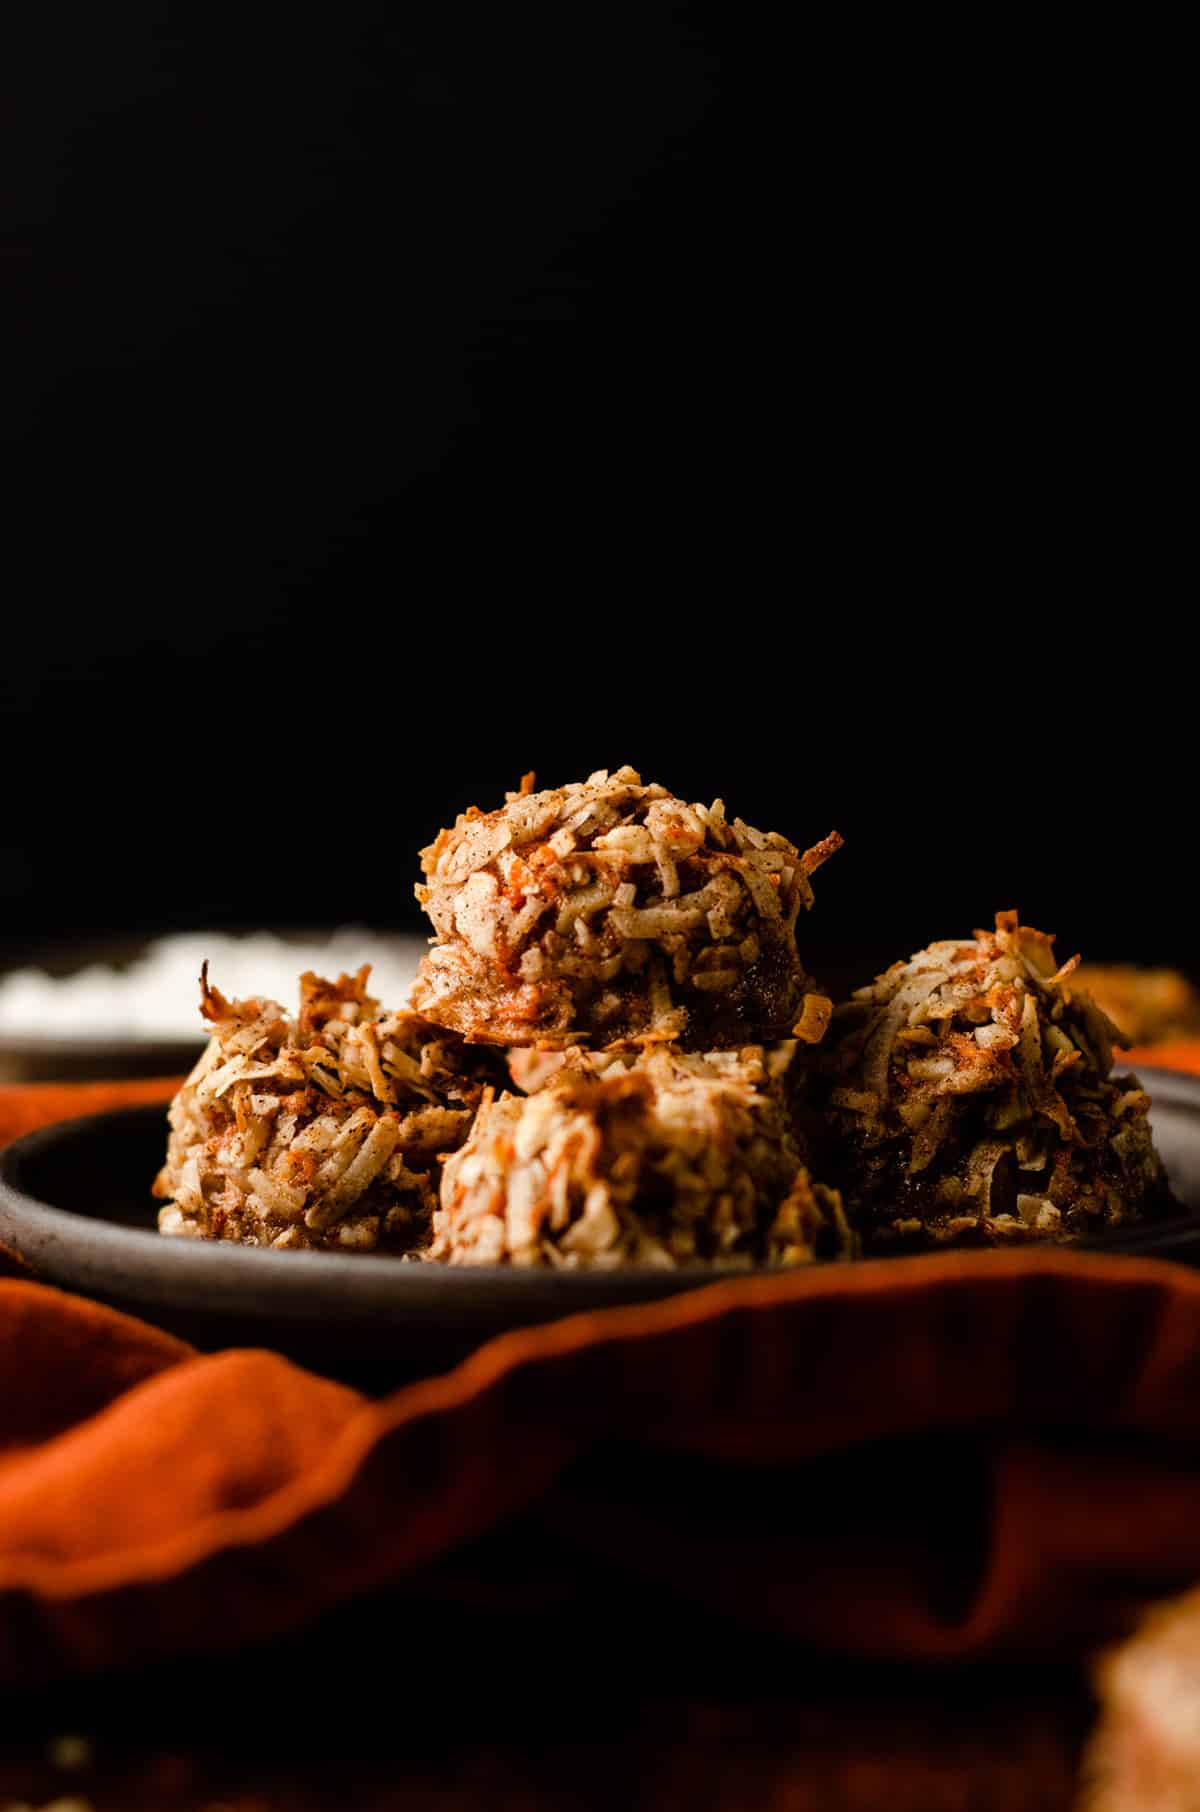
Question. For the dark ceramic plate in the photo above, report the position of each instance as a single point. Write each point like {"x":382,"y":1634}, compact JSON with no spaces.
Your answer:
{"x":75,"y":1203}
{"x":95,"y":1059}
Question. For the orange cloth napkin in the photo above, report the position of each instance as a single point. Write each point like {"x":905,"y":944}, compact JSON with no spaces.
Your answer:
{"x":925,"y":1458}
{"x":41,"y":1103}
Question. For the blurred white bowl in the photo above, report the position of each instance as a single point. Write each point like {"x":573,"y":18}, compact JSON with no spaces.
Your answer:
{"x":145,"y":1015}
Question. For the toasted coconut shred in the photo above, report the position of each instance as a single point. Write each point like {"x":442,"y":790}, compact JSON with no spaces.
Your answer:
{"x":661,"y":1159}
{"x":971,"y":1100}
{"x":609,"y":909}
{"x":321,"y":1131}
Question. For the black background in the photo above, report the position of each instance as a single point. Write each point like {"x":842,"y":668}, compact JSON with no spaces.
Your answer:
{"x":408,"y":397}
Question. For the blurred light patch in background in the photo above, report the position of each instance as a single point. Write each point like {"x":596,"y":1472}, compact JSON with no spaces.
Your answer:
{"x":138,"y":1007}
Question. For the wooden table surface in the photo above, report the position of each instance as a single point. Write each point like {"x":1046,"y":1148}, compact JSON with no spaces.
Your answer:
{"x":395,"y":1705}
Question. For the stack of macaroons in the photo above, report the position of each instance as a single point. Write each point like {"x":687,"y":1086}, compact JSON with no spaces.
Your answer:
{"x":615,"y":1055}
{"x":637,"y":957}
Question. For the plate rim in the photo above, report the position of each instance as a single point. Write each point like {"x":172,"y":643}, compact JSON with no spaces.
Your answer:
{"x":289,"y":1283}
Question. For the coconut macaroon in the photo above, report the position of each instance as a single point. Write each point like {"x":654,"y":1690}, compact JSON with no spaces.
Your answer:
{"x":665,"y":1160}
{"x":1144,"y":1754}
{"x":971,"y":1100}
{"x":610,"y":910}
{"x":321,"y":1131}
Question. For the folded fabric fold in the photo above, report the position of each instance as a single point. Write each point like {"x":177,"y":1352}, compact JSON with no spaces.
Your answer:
{"x":932,"y":1457}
